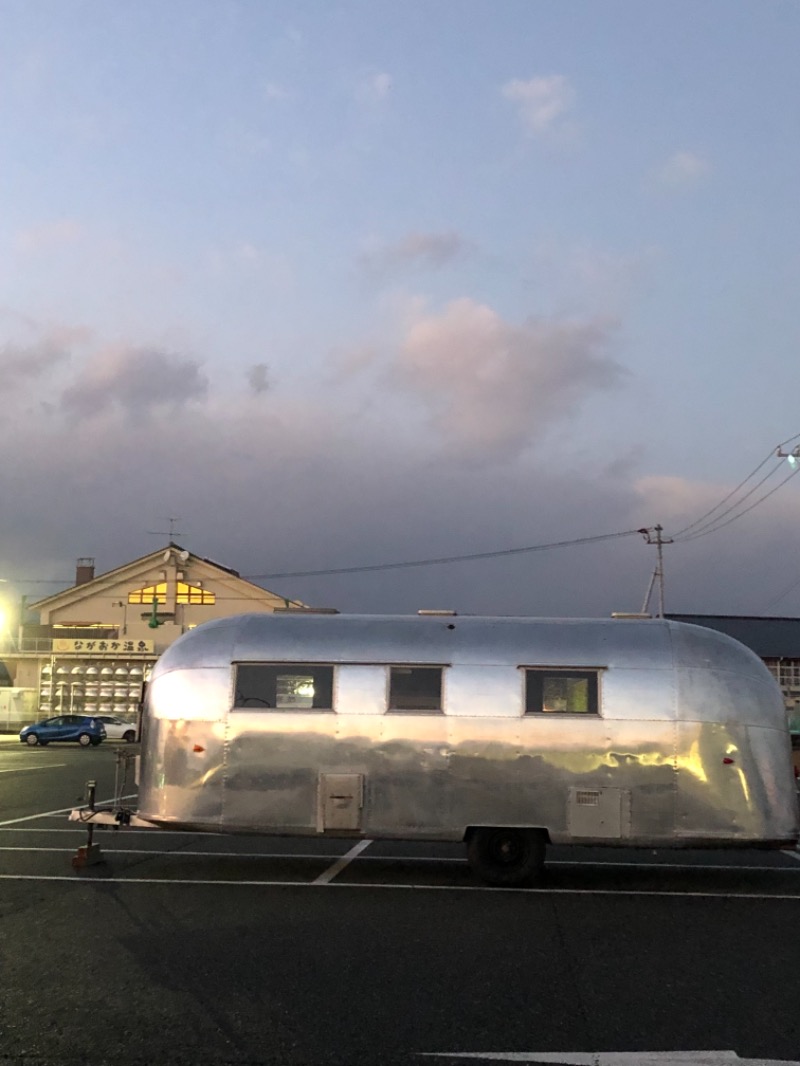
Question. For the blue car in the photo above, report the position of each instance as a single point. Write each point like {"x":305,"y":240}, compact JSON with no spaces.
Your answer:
{"x":78,"y":727}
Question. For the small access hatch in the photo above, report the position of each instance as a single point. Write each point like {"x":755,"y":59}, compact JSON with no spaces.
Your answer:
{"x":341,"y":799}
{"x":603,"y":813}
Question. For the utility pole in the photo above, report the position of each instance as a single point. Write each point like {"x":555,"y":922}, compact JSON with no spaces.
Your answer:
{"x":654,"y":536}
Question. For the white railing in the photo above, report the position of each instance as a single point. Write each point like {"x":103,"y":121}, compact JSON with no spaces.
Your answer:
{"x":26,"y":646}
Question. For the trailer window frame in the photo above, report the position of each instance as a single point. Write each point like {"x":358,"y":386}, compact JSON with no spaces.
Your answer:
{"x":268,"y":700}
{"x":438,"y":668}
{"x":534,"y":691}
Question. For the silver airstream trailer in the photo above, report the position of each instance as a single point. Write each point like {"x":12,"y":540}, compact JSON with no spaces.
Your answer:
{"x":506,"y":733}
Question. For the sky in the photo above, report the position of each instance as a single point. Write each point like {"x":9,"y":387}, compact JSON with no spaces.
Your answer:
{"x":338,"y":285}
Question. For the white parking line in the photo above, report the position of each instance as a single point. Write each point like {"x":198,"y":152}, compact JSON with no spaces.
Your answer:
{"x":21,"y":769}
{"x":80,"y":827}
{"x":343,"y":886}
{"x":793,"y":855}
{"x":62,"y":810}
{"x":189,"y":854}
{"x":328,"y":875}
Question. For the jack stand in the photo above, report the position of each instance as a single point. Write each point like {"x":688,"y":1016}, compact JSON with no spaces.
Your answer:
{"x":89,"y":854}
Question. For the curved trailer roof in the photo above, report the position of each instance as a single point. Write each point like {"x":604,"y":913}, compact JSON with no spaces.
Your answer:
{"x":450,"y":639}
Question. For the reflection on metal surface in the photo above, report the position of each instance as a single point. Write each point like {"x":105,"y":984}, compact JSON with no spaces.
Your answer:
{"x":673,"y":701}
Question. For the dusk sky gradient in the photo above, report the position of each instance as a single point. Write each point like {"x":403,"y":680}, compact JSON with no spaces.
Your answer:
{"x":340,"y":284}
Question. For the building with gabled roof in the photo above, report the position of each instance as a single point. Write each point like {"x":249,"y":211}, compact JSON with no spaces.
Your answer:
{"x":94,"y":642}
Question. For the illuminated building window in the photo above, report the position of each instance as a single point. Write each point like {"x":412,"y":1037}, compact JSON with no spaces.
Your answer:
{"x":148,"y":595}
{"x":185,"y":593}
{"x":193,"y":594}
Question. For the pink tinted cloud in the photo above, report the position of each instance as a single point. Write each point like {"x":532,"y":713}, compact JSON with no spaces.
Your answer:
{"x":491,"y":387}
{"x":134,"y":380}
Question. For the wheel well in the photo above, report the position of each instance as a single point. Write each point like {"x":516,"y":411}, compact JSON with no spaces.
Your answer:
{"x":470,"y":831}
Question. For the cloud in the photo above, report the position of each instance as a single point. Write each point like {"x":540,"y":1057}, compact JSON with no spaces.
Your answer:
{"x":491,"y":388}
{"x":431,"y":250}
{"x":346,"y":491}
{"x":683,"y":169}
{"x":48,"y":235}
{"x":134,"y":380}
{"x":21,"y":362}
{"x":273,"y":92}
{"x":247,"y":252}
{"x":374,"y":89}
{"x":586,"y":276}
{"x":258,"y":378}
{"x":542,"y":102}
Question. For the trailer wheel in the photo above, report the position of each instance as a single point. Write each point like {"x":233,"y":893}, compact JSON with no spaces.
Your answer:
{"x":506,"y":856}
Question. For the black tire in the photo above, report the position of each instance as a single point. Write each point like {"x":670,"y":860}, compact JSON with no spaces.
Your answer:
{"x":84,"y":740}
{"x":96,"y":741}
{"x":509,"y":857}
{"x":129,"y":736}
{"x":32,"y":739}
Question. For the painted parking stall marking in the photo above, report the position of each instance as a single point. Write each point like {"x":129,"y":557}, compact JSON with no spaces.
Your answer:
{"x":614,"y":1058}
{"x":328,"y":875}
{"x":27,"y":769}
{"x":50,"y":814}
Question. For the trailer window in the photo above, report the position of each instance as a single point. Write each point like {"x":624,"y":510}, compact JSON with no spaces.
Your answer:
{"x":284,"y":687}
{"x":561,"y":692}
{"x":415,"y":688}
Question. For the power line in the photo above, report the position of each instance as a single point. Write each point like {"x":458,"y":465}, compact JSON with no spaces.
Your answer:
{"x":700,"y":528}
{"x":741,"y":514}
{"x":777,"y":599}
{"x":443,"y":559}
{"x":706,"y":524}
{"x":725,"y":499}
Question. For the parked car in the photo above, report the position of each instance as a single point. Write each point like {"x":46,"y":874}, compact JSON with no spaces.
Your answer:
{"x":118,"y":728}
{"x":79,"y":727}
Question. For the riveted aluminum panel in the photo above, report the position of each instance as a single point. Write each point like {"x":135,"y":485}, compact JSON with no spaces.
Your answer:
{"x":478,"y":691}
{"x":639,"y":694}
{"x":210,"y":644}
{"x":182,"y":772}
{"x":197,"y":693}
{"x":360,"y":689}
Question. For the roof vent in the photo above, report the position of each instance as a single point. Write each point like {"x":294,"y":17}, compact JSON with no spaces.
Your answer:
{"x":438,"y":614}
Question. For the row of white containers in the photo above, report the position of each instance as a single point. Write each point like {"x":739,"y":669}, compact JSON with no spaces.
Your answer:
{"x":91,"y":689}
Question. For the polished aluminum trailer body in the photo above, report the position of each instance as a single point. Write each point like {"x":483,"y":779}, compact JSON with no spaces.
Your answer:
{"x":685,"y":744}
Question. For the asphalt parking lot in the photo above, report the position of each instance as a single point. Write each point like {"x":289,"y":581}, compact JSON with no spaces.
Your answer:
{"x":184,"y":947}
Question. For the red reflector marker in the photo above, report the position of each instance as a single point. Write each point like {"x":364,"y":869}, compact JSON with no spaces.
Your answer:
{"x":727,"y":761}
{"x":197,"y":747}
